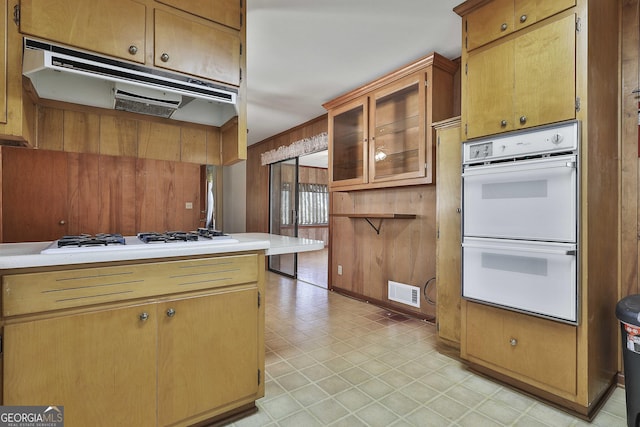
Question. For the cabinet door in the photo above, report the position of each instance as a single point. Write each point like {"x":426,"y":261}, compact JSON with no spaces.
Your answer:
{"x":109,"y":27}
{"x":489,"y":95}
{"x":100,"y":366}
{"x":545,"y":70}
{"x":3,"y":63}
{"x":489,"y":23}
{"x":226,"y":12}
{"x":528,"y":12}
{"x":208,"y":353}
{"x":539,"y":351}
{"x":348,"y":143}
{"x":397,"y":130}
{"x":188,"y":46}
{"x":34,"y":195}
{"x":448,"y":225}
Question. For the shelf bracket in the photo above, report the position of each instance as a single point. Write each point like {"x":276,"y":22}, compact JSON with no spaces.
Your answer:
{"x":373,"y":226}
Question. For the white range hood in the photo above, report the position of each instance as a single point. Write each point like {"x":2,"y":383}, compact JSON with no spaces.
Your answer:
{"x":66,"y":74}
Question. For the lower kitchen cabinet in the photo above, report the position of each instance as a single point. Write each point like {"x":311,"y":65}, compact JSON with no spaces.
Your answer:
{"x":100,"y":366}
{"x":171,"y":359}
{"x":207,"y":353}
{"x":533,"y":350}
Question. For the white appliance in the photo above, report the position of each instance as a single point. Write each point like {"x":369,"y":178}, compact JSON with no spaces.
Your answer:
{"x":67,"y":74}
{"x":520,"y":221}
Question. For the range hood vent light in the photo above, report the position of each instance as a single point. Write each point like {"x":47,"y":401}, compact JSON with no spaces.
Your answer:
{"x":69,"y":75}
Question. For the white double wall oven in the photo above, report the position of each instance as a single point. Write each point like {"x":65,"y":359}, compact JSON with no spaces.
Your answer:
{"x":520,"y":221}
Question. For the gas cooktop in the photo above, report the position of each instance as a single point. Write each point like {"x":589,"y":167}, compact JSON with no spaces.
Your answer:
{"x":106,"y":241}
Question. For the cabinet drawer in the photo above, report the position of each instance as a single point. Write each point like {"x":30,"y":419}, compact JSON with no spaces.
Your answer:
{"x":538,"y":351}
{"x":46,"y":291}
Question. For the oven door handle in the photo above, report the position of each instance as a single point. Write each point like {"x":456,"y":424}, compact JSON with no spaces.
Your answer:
{"x":568,"y":252}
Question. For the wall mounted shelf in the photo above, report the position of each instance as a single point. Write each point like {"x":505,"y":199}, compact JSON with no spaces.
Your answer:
{"x":381,"y":216}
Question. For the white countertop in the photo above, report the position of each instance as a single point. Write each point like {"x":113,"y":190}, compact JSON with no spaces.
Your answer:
{"x":28,"y":254}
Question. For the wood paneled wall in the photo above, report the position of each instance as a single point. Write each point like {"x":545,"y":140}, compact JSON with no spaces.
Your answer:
{"x":404,"y":251}
{"x":87,"y":130}
{"x":630,"y":222}
{"x":258,"y":175}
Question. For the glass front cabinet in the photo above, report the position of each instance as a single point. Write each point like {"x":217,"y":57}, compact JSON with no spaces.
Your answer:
{"x":380,"y":135}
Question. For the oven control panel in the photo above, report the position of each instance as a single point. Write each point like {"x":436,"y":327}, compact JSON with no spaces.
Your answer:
{"x":556,"y":138}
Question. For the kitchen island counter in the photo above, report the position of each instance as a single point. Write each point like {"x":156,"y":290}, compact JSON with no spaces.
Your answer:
{"x":28,"y":254}
{"x":170,"y":333}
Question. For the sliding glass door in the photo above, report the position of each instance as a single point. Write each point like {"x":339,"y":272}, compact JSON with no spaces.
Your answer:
{"x":283,"y":212}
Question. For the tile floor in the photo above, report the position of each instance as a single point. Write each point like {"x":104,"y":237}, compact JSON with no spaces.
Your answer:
{"x":335,"y":361}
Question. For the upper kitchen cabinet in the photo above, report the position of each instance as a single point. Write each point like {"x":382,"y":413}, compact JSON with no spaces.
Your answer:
{"x":522,"y":81}
{"x":380,"y":134}
{"x":189,"y":46}
{"x":226,"y":12}
{"x":115,"y":28}
{"x":487,"y":24}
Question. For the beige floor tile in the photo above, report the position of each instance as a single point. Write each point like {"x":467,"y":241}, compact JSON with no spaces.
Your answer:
{"x":335,"y":361}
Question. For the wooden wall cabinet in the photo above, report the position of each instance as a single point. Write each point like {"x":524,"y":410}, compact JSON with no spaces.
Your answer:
{"x":177,"y":357}
{"x":380,"y":134}
{"x":190,"y":46}
{"x":448,"y":209}
{"x":522,"y":81}
{"x":562,"y":66}
{"x":485,"y":25}
{"x":226,"y":12}
{"x":114,"y":28}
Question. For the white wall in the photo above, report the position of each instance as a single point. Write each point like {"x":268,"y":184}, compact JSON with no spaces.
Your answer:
{"x":234,"y":198}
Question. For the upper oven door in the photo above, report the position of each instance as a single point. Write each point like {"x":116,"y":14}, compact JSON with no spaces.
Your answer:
{"x":526,"y":199}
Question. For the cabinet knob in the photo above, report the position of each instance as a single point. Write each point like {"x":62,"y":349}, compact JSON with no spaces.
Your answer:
{"x":133,"y":49}
{"x":171,"y":312}
{"x":513,"y":342}
{"x":503,"y":123}
{"x":523,"y":18}
{"x":523,"y":120}
{"x":458,"y":210}
{"x":503,"y":27}
{"x":164,"y":57}
{"x":62,"y":222}
{"x":144,"y":316}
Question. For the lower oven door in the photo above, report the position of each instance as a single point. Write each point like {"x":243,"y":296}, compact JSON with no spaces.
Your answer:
{"x":528,"y":199}
{"x":535,"y":277}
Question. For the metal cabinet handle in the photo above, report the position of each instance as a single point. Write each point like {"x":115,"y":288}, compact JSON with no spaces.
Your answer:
{"x":523,"y":120}
{"x":164,"y":57}
{"x":513,"y":342}
{"x":133,"y":49}
{"x":523,"y":18}
{"x":171,"y":312}
{"x":503,"y":123}
{"x":503,"y":27}
{"x":144,"y":316}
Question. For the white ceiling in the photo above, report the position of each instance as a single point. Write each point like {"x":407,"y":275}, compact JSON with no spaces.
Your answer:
{"x":303,"y":53}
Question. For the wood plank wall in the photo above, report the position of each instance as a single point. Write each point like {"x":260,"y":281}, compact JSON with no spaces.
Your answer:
{"x":257,"y":219}
{"x":630,"y":223}
{"x":86,"y":130}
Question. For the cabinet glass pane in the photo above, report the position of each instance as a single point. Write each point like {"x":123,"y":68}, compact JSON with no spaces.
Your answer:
{"x":348,"y":140}
{"x":397,"y":133}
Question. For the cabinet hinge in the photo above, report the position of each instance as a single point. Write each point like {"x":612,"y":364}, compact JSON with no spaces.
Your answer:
{"x":465,"y":128}
{"x":466,"y":69}
{"x":426,"y":83}
{"x":16,"y":14}
{"x":578,"y":103}
{"x":578,"y":24}
{"x":259,"y":299}
{"x":466,"y":42}
{"x":259,"y":376}
{"x":438,"y":233}
{"x":241,"y":49}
